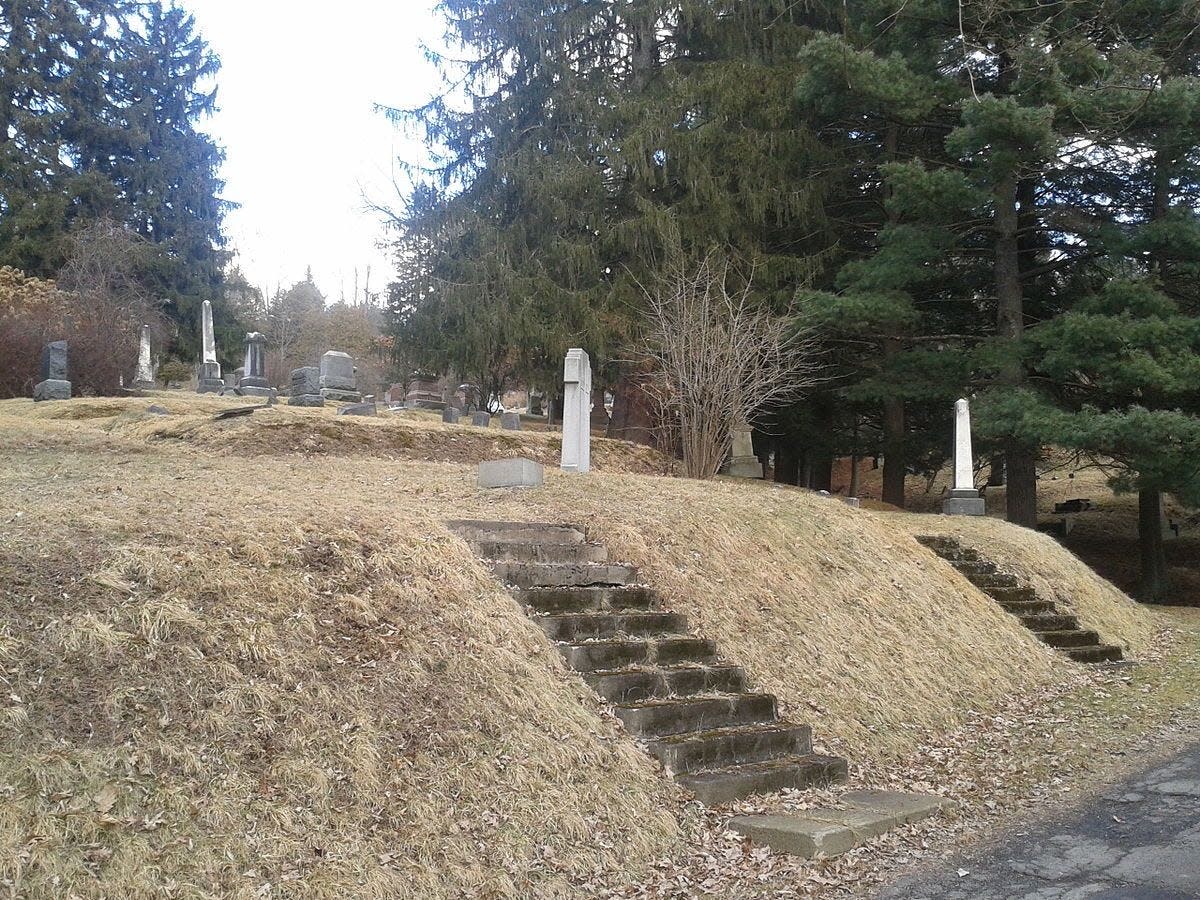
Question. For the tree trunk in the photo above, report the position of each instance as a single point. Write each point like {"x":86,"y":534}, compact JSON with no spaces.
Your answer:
{"x":895,"y":465}
{"x":996,"y":476}
{"x":1021,"y":461}
{"x":787,"y":461}
{"x":1154,"y":585}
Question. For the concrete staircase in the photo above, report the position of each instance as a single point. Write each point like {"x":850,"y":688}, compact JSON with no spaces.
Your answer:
{"x":1042,"y":617}
{"x":695,"y":713}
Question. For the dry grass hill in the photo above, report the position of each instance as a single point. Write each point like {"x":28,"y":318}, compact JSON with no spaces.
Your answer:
{"x":246,"y":658}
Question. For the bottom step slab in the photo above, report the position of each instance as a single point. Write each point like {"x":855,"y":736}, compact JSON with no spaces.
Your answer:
{"x":830,"y":832}
{"x":723,"y":785}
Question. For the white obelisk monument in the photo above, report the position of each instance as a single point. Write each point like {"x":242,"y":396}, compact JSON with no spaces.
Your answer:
{"x":964,"y":499}
{"x":210,"y":370}
{"x":144,"y":379}
{"x":577,"y":411}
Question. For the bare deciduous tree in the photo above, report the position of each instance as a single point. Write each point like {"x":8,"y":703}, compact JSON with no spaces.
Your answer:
{"x":720,"y":358}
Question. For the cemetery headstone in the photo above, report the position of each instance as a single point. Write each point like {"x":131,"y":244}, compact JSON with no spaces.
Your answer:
{"x":209,"y":380}
{"x":510,"y":420}
{"x":964,"y":499}
{"x":143,"y":380}
{"x":424,"y":392}
{"x":577,"y":409}
{"x":537,"y":403}
{"x":481,"y":418}
{"x":253,"y":379}
{"x":744,"y":464}
{"x":511,"y":473}
{"x":450,"y":415}
{"x":338,"y":381}
{"x":54,"y":384}
{"x":306,"y":387}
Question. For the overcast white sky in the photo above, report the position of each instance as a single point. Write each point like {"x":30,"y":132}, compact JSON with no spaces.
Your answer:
{"x":296,"y":94}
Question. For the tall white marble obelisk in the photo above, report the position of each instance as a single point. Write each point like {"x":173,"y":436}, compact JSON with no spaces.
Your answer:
{"x":210,"y":370}
{"x":144,"y":379}
{"x":964,"y":499}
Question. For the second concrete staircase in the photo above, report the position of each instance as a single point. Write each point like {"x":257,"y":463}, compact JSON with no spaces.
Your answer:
{"x":695,"y":712}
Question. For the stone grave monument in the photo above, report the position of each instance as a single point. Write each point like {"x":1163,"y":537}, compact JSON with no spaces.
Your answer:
{"x":254,"y":378}
{"x":511,"y":473}
{"x":577,"y":411}
{"x":424,"y":392}
{"x":744,"y":464}
{"x":481,"y":418}
{"x":144,"y":379}
{"x":338,"y":382}
{"x":209,"y":380}
{"x":54,"y":384}
{"x":964,"y":499}
{"x":306,"y":387}
{"x":510,"y":420}
{"x":450,"y":415}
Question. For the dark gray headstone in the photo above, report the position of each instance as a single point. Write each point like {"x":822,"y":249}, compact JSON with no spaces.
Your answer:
{"x":306,"y":387}
{"x":451,"y":415}
{"x":54,"y":361}
{"x":337,"y":371}
{"x":510,"y":421}
{"x":481,"y":418}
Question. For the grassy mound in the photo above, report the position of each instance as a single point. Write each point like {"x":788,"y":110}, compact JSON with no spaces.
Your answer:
{"x":230,"y":669}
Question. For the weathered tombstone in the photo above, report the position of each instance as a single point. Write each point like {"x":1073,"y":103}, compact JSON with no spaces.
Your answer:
{"x":450,"y":415}
{"x":358,"y":409}
{"x":54,"y":384}
{"x":395,"y":394}
{"x":466,"y":398}
{"x":537,"y":402}
{"x":511,"y":473}
{"x":424,"y":392}
{"x":964,"y":499}
{"x":209,"y":380}
{"x":338,"y":381}
{"x":510,"y":420}
{"x":577,"y":409}
{"x":143,"y":380}
{"x":481,"y":418}
{"x":744,"y":464}
{"x":306,"y":387}
{"x":254,"y":377}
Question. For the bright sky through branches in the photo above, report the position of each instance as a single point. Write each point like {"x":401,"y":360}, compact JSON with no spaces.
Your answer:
{"x":297,"y":90}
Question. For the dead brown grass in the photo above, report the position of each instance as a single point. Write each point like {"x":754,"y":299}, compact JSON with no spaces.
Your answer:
{"x":278,"y":668}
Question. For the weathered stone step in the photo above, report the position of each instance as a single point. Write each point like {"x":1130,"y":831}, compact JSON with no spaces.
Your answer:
{"x":635,"y":685}
{"x":575,"y":627}
{"x":1028,"y":607}
{"x":1099,"y":654}
{"x":526,"y":575}
{"x":526,"y":532}
{"x":556,"y":600}
{"x":1013,"y":594}
{"x":597,"y":656}
{"x":1074,"y":638}
{"x":975,"y":567}
{"x":722,"y":785}
{"x":1047,"y":621}
{"x":725,"y":747}
{"x":654,"y":718}
{"x":519,"y":551}
{"x":987,"y":583}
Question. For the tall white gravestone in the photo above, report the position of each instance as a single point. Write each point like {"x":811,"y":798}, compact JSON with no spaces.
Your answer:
{"x":144,"y":380}
{"x":210,"y":370}
{"x":964,"y":500}
{"x":577,"y":412}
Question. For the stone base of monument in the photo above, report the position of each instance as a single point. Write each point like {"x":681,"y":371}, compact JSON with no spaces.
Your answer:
{"x":341,"y":396}
{"x":511,"y":473}
{"x":745,"y":467}
{"x":306,"y":400}
{"x":964,"y":503}
{"x":210,"y":386}
{"x":52,"y":389}
{"x":254,"y":391}
{"x":424,"y":401}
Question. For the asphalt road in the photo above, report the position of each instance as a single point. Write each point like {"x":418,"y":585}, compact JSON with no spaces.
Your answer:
{"x":1138,"y":840}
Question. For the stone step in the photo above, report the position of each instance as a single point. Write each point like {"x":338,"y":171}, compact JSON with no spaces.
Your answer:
{"x":938,"y":543}
{"x":519,"y":551}
{"x":525,"y":532}
{"x":558,"y":600}
{"x":526,"y":575}
{"x":1013,"y":594}
{"x":1028,"y":607}
{"x":600,"y":656}
{"x":635,"y":685}
{"x":576,"y":627}
{"x":1068,"y":639}
{"x":1047,"y":621}
{"x":655,"y":718}
{"x":987,"y":583}
{"x":722,"y":785}
{"x":975,"y":567}
{"x":1099,"y":654}
{"x":725,"y":747}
